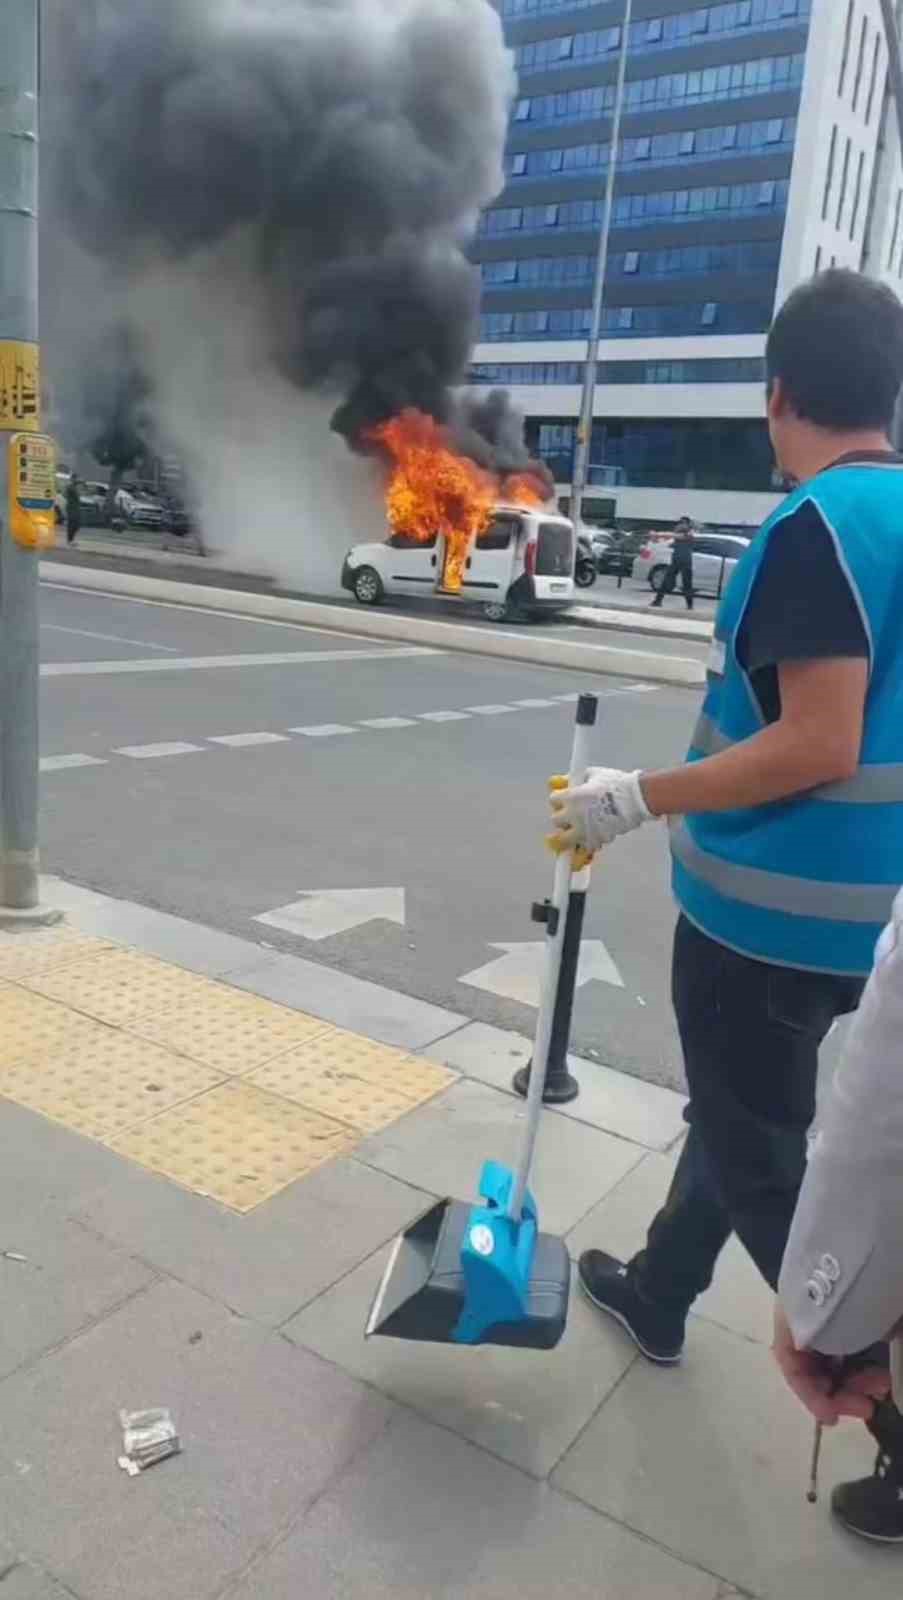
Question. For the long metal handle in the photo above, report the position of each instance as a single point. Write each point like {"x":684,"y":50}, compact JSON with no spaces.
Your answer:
{"x":587,"y":707}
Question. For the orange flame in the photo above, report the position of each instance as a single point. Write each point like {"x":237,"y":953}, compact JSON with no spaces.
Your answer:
{"x":432,"y":490}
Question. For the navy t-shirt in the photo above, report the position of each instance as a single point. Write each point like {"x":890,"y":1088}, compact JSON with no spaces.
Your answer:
{"x":802,"y":606}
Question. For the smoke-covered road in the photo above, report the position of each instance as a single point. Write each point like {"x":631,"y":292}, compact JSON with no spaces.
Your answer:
{"x":315,"y":762}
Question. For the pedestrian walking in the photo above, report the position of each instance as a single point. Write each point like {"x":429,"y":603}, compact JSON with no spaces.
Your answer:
{"x":841,"y":1286}
{"x":681,"y":566}
{"x":73,"y":509}
{"x":787,"y":818}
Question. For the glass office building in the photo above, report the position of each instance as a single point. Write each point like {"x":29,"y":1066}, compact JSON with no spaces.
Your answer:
{"x":755,"y":148}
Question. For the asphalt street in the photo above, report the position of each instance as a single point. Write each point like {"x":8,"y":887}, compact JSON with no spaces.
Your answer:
{"x":223,"y":769}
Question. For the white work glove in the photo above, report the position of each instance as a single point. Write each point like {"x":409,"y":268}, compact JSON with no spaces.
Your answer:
{"x":597,"y":811}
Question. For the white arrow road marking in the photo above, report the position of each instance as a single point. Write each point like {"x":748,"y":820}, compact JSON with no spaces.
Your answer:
{"x":322,"y":913}
{"x":517,"y":975}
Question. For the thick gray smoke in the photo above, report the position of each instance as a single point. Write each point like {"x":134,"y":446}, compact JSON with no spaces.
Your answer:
{"x":282,"y":189}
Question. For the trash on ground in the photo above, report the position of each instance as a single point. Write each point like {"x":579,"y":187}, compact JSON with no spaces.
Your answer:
{"x":147,"y":1437}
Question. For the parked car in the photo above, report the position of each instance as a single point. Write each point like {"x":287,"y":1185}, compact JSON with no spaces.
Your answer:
{"x":137,"y":507}
{"x":715,"y":555}
{"x":615,"y":551}
{"x":522,"y":566}
{"x":92,"y":498}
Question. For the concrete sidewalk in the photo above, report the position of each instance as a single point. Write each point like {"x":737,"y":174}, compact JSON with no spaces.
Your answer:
{"x":208,"y":1148}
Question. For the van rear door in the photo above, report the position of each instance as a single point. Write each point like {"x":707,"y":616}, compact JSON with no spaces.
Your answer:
{"x":411,"y":566}
{"x":553,"y":569}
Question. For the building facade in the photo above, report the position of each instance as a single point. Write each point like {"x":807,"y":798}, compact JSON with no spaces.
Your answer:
{"x":758,"y":145}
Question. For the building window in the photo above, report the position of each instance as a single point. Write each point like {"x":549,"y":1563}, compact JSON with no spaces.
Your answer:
{"x":625,"y":316}
{"x":829,"y":175}
{"x":847,"y":35}
{"x":729,"y":137}
{"x":775,"y":131}
{"x":766,"y":192}
{"x":519,"y":164}
{"x":687,"y":143}
{"x":642,"y":149}
{"x":632,"y":261}
{"x":709,"y":314}
{"x":857,"y":195}
{"x":841,"y":202}
{"x":654,"y":30}
{"x":860,"y":62}
{"x":873,"y":81}
{"x":895,"y":235}
{"x":551,"y":216}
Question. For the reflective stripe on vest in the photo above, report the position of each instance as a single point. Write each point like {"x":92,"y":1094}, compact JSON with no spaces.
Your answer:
{"x":776,"y":891}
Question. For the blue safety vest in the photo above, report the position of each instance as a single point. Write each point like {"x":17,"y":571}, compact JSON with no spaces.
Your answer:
{"x":810,"y":881}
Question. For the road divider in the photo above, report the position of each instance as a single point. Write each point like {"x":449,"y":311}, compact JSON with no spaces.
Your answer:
{"x":505,"y":643}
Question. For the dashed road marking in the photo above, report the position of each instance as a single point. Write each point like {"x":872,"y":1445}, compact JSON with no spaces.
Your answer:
{"x":325,"y":730}
{"x":489,"y":711}
{"x":240,"y":740}
{"x":380,"y":723}
{"x":61,"y":763}
{"x":442,"y":716}
{"x":147,"y":752}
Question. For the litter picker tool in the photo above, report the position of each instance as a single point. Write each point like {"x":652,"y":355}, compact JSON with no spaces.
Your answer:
{"x":484,"y":1274}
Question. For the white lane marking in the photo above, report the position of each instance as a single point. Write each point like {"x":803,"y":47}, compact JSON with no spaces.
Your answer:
{"x":323,"y":913}
{"x":146,"y":752}
{"x":442,"y":716}
{"x":239,"y":740}
{"x":489,"y":711}
{"x":324,"y":730}
{"x":61,"y":763}
{"x":205,"y":611}
{"x":534,"y":705}
{"x":567,"y":699}
{"x":641,"y":688}
{"x":282,"y":658}
{"x":111,"y":638}
{"x":517,"y":974}
{"x":379,"y":723}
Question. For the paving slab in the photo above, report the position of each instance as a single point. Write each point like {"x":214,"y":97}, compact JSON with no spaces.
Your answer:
{"x":23,"y":1581}
{"x":68,"y":1278}
{"x":265,"y":1427}
{"x":353,"y":1003}
{"x":271,"y":1262}
{"x":738,"y":1299}
{"x":442,"y":1147}
{"x":628,"y":1107}
{"x":526,"y":1406}
{"x":712,"y":1459}
{"x":425,"y":1515}
{"x":199,"y":949}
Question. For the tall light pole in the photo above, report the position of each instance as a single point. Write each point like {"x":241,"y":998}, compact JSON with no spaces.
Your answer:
{"x":20,"y":400}
{"x":894,"y":61}
{"x":585,"y":426}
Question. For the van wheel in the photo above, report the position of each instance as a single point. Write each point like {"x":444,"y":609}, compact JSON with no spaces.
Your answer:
{"x":657,"y":577}
{"x":368,"y":586}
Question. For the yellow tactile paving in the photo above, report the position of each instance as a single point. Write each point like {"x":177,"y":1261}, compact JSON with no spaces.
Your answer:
{"x":103,"y":1086}
{"x":343,"y":1075}
{"x":230,"y":1031}
{"x":33,"y":1029}
{"x":237,"y":1144}
{"x":119,"y":986}
{"x":22,"y":955}
{"x":223,"y":1092}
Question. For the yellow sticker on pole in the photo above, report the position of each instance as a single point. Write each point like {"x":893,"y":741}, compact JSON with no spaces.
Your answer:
{"x":20,"y":385}
{"x":32,"y":487}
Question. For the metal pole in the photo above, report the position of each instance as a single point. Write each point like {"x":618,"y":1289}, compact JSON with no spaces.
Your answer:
{"x":894,"y":61}
{"x":19,"y":896}
{"x":585,"y":426}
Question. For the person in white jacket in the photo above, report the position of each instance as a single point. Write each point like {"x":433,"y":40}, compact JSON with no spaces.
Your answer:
{"x":841,"y":1284}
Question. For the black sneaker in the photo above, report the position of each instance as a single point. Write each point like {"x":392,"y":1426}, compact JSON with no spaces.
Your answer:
{"x":873,"y":1507}
{"x":608,"y":1284}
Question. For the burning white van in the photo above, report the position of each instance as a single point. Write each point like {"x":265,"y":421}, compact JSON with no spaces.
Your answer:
{"x":521,"y":566}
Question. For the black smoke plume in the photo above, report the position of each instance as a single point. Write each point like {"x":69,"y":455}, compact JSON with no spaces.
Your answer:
{"x":350,"y":142}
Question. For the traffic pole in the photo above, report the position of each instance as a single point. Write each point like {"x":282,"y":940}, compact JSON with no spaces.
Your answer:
{"x":20,"y":405}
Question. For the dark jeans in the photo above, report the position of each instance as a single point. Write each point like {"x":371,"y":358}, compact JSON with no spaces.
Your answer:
{"x":669,"y":584}
{"x":750,"y":1034}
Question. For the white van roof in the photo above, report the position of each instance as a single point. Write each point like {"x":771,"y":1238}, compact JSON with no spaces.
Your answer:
{"x":505,"y":506}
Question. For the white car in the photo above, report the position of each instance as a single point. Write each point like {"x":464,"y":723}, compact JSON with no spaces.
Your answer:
{"x":715,"y":555}
{"x":522,"y":566}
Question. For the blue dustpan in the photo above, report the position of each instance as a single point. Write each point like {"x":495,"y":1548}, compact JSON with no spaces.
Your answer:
{"x":484,"y":1274}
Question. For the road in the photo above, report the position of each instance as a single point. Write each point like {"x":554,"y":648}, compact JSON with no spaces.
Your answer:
{"x":172,"y":777}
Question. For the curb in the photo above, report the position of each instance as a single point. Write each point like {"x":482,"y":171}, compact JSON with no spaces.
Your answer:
{"x":624,"y":621}
{"x":537,"y":651}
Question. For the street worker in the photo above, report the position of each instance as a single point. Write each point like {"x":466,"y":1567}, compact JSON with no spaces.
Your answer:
{"x":787,"y":819}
